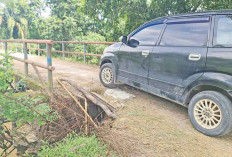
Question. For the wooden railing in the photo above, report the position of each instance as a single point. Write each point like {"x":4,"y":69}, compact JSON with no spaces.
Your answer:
{"x":26,"y":61}
{"x":49,"y":44}
{"x":63,"y":48}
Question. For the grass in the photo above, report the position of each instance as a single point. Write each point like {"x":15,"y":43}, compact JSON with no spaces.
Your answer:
{"x":75,"y":146}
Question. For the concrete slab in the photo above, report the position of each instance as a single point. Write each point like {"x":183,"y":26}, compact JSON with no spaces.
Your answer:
{"x":119,"y":94}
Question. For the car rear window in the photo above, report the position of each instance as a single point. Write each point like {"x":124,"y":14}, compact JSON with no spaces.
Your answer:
{"x":186,"y":33}
{"x":223,"y":32}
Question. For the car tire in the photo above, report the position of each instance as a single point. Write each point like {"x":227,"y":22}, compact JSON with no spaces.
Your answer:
{"x":107,"y":75}
{"x":211,"y":113}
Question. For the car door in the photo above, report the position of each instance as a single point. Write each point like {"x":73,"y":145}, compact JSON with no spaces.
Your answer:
{"x":133,"y":60}
{"x":180,"y":56}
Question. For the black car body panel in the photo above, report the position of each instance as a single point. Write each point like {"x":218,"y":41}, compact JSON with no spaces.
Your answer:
{"x":175,"y":71}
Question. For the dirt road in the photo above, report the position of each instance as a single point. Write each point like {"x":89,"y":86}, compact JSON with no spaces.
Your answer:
{"x":146,"y":125}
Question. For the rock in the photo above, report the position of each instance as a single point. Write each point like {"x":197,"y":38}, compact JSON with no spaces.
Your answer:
{"x":28,"y":131}
{"x":31,"y":137}
{"x":32,"y":150}
{"x":19,"y":141}
{"x":25,"y":129}
{"x":26,"y":138}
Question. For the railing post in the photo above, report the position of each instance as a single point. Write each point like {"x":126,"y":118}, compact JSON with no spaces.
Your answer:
{"x":29,"y":49}
{"x":84,"y":53}
{"x":38,"y":47}
{"x":15,"y":47}
{"x":22,"y":49}
{"x":5,"y":47}
{"x":49,"y":63}
{"x":63,"y":49}
{"x":25,"y":58}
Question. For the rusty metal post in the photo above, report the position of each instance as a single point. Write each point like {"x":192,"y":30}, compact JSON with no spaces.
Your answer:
{"x":25,"y":58}
{"x":38,"y":47}
{"x":63,"y":49}
{"x":49,"y":63}
{"x":84,"y":53}
{"x":5,"y":47}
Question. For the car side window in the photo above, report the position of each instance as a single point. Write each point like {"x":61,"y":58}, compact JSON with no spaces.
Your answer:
{"x":148,"y":35}
{"x":223,"y":31}
{"x":186,"y":33}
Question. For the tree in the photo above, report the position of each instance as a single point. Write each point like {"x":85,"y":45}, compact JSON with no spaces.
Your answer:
{"x":17,"y":16}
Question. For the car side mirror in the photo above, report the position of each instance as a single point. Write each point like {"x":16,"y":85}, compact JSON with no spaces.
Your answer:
{"x":133,"y":43}
{"x":123,"y":39}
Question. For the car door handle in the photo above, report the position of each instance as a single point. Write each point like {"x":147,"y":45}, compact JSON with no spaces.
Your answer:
{"x":145,"y":53}
{"x":194,"y":57}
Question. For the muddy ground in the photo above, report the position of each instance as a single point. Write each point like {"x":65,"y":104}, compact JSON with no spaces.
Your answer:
{"x":146,"y":125}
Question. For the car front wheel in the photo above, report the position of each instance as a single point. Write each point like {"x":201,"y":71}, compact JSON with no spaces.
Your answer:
{"x":211,"y":113}
{"x":107,"y":75}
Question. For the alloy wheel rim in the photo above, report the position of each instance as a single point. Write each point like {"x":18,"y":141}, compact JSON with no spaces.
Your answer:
{"x":208,"y":114}
{"x":107,"y":75}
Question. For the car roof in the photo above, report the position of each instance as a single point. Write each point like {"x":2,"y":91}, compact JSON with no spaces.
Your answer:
{"x":206,"y":13}
{"x":213,"y":12}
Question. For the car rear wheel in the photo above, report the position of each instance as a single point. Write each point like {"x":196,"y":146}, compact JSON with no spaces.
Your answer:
{"x":107,"y":75}
{"x":211,"y":113}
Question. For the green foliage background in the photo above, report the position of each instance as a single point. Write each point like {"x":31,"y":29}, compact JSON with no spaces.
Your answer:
{"x":73,"y":19}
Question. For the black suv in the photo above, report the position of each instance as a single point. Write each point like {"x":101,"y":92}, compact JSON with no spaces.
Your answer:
{"x":184,"y":58}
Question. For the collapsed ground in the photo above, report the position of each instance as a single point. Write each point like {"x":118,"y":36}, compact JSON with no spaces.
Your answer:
{"x":146,"y":125}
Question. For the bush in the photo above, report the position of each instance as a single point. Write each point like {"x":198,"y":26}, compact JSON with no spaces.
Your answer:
{"x":21,"y":109}
{"x":6,"y":73}
{"x":75,"y":146}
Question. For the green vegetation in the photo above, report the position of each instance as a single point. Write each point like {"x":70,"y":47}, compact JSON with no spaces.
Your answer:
{"x":75,"y":146}
{"x":6,"y":72}
{"x":19,"y":109}
{"x":26,"y":110}
{"x":74,"y":19}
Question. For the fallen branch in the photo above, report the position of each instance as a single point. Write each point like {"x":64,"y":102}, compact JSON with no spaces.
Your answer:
{"x":89,"y":96}
{"x":102,"y":100}
{"x":86,"y":118}
{"x":41,"y":79}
